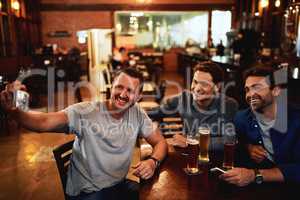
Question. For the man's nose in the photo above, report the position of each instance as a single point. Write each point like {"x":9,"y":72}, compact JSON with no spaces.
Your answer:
{"x":198,"y":87}
{"x":124,"y":93}
{"x":250,"y":93}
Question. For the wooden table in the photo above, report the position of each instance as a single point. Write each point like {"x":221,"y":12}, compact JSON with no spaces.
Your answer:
{"x":173,"y":183}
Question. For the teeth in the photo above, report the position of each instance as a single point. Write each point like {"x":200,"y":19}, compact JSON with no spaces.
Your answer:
{"x":122,"y":100}
{"x":254,"y":101}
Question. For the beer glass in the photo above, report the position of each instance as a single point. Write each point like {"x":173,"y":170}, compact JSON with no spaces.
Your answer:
{"x":204,"y":137}
{"x":192,"y":157}
{"x":21,"y":100}
{"x":229,"y":148}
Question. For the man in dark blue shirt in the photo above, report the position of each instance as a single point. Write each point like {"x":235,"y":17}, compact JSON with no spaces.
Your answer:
{"x":269,"y":131}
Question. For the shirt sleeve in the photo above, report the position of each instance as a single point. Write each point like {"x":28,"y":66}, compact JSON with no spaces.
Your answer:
{"x":146,"y":125}
{"x":241,"y":154}
{"x":169,"y":108}
{"x":291,"y":169}
{"x":74,"y":113}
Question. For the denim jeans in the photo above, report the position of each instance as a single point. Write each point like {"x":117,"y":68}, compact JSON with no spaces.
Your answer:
{"x":127,"y":190}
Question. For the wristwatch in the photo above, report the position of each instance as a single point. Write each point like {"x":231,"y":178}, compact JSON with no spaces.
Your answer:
{"x":258,"y":177}
{"x":156,"y":161}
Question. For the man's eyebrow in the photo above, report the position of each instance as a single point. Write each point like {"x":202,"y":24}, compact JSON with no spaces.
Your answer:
{"x":255,"y":84}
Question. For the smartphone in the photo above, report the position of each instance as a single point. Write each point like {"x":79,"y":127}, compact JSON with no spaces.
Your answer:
{"x":218,"y":170}
{"x":21,"y":100}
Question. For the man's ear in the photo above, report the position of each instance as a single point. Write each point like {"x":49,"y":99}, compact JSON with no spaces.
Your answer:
{"x":217,"y":87}
{"x":276,"y":91}
{"x":139,"y":97}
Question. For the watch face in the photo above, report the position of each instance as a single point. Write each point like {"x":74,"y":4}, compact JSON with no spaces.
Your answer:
{"x":259,"y":179}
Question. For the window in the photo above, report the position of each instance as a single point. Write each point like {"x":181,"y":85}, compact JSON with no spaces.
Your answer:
{"x":160,"y":30}
{"x":220,"y":25}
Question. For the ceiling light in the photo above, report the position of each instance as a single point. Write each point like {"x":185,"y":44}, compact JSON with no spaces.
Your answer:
{"x":15,"y":5}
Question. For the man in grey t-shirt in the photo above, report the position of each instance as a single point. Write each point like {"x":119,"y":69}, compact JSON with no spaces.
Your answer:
{"x":106,"y":133}
{"x":204,"y":105}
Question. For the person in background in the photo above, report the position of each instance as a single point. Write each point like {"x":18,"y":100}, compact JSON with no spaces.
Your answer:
{"x":203,"y":105}
{"x":106,"y":133}
{"x":119,"y":58}
{"x":191,"y":47}
{"x":220,"y":49}
{"x":268,"y":132}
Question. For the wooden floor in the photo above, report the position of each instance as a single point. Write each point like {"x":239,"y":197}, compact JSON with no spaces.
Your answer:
{"x":27,"y":167}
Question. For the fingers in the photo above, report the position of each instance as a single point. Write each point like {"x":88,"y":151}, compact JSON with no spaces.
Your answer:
{"x":259,"y":150}
{"x":144,"y":170}
{"x":179,"y":140}
{"x":257,"y":153}
{"x":16,"y":85}
{"x":230,"y":173}
{"x":6,"y":100}
{"x":238,"y":176}
{"x":137,"y":165}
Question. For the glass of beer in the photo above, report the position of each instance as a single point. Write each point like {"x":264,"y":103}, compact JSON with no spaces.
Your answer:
{"x":192,"y":157}
{"x":204,"y":137}
{"x":229,"y":148}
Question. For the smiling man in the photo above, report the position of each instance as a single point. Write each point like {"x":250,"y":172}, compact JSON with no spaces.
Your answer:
{"x":268,"y":131}
{"x":204,"y":105}
{"x":106,"y":133}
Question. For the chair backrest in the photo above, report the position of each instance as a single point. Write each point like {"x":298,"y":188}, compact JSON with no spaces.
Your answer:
{"x":161,"y":92}
{"x":62,"y":155}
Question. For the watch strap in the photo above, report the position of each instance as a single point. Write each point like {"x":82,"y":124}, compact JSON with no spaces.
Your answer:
{"x":157,"y":162}
{"x":258,"y":176}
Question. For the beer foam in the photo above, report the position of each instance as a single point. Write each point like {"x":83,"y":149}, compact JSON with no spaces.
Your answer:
{"x":203,"y":130}
{"x":192,"y":141}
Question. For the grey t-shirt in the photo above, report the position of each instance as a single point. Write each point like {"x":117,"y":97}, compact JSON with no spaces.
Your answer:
{"x":218,"y":116}
{"x":265,"y":126}
{"x":103,"y":145}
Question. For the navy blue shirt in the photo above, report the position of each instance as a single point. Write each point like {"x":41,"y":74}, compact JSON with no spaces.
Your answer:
{"x":285,"y":137}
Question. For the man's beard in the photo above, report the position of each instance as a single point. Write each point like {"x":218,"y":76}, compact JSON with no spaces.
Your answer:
{"x":258,"y":104}
{"x":124,"y":101}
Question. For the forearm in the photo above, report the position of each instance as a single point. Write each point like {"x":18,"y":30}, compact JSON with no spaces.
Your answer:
{"x":272,"y":175}
{"x":39,"y":121}
{"x":30,"y":120}
{"x":160,"y":150}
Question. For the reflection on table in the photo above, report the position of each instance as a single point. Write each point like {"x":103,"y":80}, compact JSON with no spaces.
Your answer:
{"x":172,"y":183}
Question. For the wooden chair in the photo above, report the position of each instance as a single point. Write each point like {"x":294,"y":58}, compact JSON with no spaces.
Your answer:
{"x":62,"y":155}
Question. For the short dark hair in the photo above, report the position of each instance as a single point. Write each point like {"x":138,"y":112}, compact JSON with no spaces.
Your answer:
{"x":122,"y":49}
{"x":261,"y":70}
{"x":212,"y":68}
{"x":132,"y":72}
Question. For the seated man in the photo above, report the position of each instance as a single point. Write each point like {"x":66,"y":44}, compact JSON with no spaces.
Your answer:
{"x":119,"y":58}
{"x":268,"y":131}
{"x":106,"y":134}
{"x":203,"y":105}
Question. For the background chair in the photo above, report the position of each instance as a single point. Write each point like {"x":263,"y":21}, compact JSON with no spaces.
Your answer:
{"x":62,"y":155}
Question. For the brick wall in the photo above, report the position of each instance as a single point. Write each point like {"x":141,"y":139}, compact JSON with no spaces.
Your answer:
{"x":72,"y":21}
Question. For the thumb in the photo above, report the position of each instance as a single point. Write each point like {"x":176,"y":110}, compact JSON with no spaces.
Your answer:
{"x":137,"y":165}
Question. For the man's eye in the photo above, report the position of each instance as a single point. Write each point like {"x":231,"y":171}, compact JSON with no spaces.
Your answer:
{"x":119,"y":87}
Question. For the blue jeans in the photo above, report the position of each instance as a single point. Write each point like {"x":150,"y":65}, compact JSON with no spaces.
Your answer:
{"x":127,"y":190}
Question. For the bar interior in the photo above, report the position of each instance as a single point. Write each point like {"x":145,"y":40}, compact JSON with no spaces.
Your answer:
{"x":59,"y":57}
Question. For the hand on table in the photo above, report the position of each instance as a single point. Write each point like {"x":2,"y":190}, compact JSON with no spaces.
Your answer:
{"x":145,"y":169}
{"x":239,"y":176}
